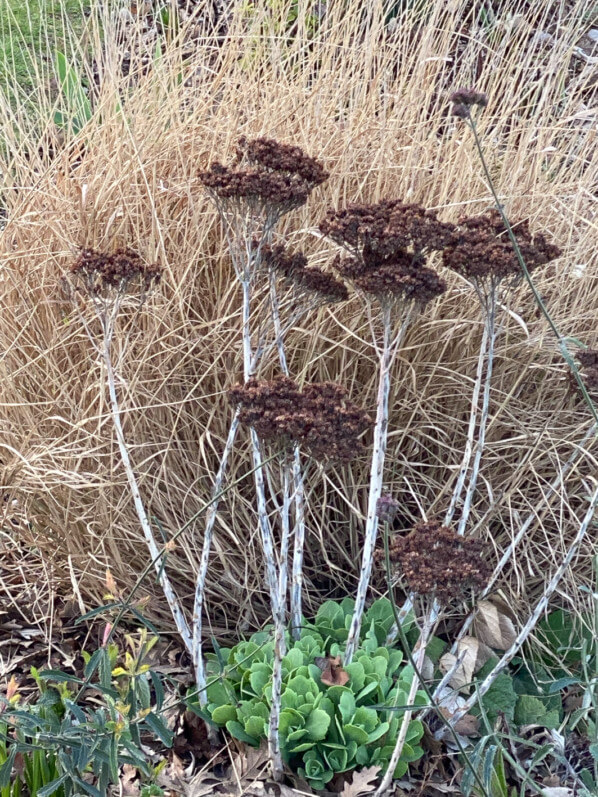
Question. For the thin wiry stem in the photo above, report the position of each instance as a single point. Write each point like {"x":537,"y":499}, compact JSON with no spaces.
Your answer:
{"x":386,"y":354}
{"x":562,"y":341}
{"x":490,"y":323}
{"x":173,"y":602}
{"x":541,"y":605}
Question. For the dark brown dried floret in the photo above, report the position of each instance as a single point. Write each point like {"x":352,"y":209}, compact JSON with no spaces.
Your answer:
{"x":469,"y":98}
{"x":319,"y":418}
{"x":481,"y":248}
{"x":387,"y":508}
{"x":121,"y":270}
{"x":271,"y":154}
{"x":283,"y":191}
{"x":312,"y":280}
{"x":434,"y":560}
{"x":385,"y":228}
{"x":273,"y":178}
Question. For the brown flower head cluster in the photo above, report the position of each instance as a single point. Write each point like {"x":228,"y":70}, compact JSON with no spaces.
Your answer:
{"x":310,"y":281}
{"x":388,"y":245}
{"x":319,"y":418}
{"x":465,"y":99}
{"x":434,"y":560}
{"x":269,"y":177}
{"x":481,"y":249}
{"x":122,"y":271}
{"x":387,"y":508}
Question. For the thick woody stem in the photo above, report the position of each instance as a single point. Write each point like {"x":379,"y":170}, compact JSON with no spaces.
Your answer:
{"x":523,"y":635}
{"x":169,"y":593}
{"x":375,"y":487}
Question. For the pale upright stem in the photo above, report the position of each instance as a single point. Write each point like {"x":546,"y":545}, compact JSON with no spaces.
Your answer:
{"x":278,"y":613}
{"x":375,"y":486}
{"x":200,"y":584}
{"x":490,"y":321}
{"x":169,"y":593}
{"x":299,"y":489}
{"x":415,"y":683}
{"x":473,"y":415}
{"x":523,"y":635}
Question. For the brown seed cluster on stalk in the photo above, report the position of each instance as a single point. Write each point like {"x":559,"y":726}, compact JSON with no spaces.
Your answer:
{"x":123,"y":271}
{"x":309,"y":281}
{"x":434,"y":560}
{"x":481,"y":249}
{"x":319,"y":418}
{"x":465,"y":99}
{"x":270,"y":177}
{"x":388,"y":245}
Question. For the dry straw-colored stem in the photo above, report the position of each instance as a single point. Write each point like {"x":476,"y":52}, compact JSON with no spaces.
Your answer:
{"x":539,"y":609}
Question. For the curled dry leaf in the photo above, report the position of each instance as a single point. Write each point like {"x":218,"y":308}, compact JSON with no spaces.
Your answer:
{"x":363,"y":782}
{"x":332,"y":671}
{"x":467,"y":725}
{"x":493,"y":627}
{"x":472,"y":655}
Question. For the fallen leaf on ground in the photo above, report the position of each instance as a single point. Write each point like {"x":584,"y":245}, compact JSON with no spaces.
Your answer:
{"x":364,"y":781}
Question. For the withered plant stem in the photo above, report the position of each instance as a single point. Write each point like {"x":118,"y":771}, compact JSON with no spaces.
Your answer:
{"x":298,"y":485}
{"x":173,"y":602}
{"x":539,"y":609}
{"x":489,"y":309}
{"x":387,"y":353}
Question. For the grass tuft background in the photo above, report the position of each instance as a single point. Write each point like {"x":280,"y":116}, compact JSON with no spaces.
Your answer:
{"x":367,"y":93}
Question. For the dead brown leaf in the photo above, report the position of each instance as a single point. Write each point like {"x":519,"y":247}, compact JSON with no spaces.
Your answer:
{"x":363,"y":782}
{"x":333,"y":673}
{"x":493,"y":627}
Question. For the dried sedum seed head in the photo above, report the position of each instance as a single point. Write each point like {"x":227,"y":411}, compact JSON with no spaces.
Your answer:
{"x":270,"y":154}
{"x":436,"y":561}
{"x":123,"y":271}
{"x":309,"y":281}
{"x":386,"y":228}
{"x":269,"y":177}
{"x":319,"y":418}
{"x":465,"y":99}
{"x":481,"y":249}
{"x":387,"y":508}
{"x":388,"y":243}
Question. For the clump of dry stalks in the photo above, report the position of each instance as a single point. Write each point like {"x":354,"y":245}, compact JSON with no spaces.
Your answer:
{"x":131,"y":179}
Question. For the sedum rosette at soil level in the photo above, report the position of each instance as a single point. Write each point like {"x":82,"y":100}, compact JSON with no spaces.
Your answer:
{"x":333,"y":719}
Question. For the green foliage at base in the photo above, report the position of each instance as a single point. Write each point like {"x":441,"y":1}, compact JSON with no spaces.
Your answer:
{"x":324,"y":729}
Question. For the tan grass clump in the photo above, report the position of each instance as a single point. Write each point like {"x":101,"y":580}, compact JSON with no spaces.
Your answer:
{"x":372,"y":105}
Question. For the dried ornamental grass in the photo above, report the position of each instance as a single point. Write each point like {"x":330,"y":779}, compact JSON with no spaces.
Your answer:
{"x":135,"y":185}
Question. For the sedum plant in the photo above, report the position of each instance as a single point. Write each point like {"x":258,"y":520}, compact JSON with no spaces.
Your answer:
{"x":333,"y":719}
